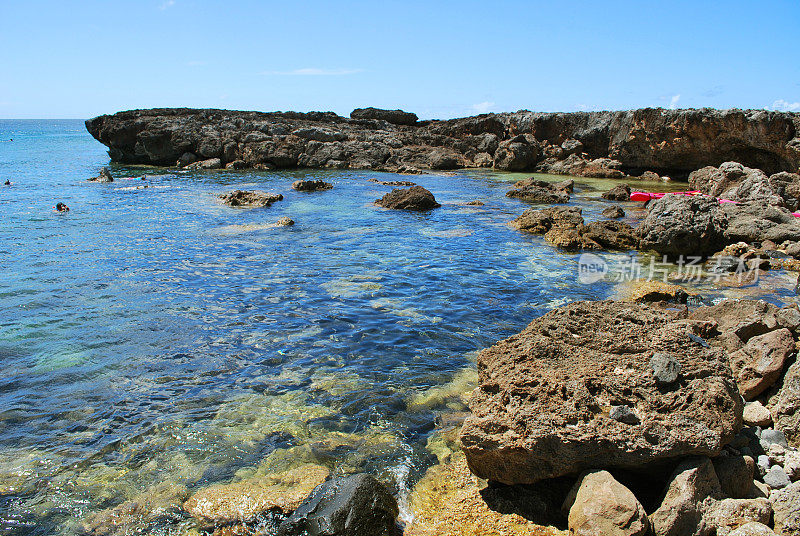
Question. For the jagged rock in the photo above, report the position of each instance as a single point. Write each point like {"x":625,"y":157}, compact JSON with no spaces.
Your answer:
{"x":608,"y":234}
{"x":245,"y":500}
{"x":444,"y":159}
{"x":733,"y":181}
{"x":520,"y":153}
{"x":760,"y":363}
{"x":620,"y":192}
{"x":613,"y":212}
{"x":284,"y":222}
{"x":755,"y":414}
{"x":752,"y":528}
{"x":396,"y":117}
{"x":683,"y":225}
{"x":414,"y":198}
{"x":648,"y":291}
{"x":311,"y":185}
{"x":786,"y":510}
{"x":541,"y":409}
{"x":668,"y":141}
{"x":739,"y":320}
{"x":691,"y":491}
{"x":735,"y":475}
{"x":604,"y":506}
{"x":541,"y":221}
{"x":650,"y":176}
{"x":249,"y":199}
{"x":392,"y":183}
{"x":357,"y":505}
{"x":729,"y":514}
{"x":236,"y":164}
{"x":538,"y":191}
{"x":104,"y":176}
{"x":666,"y":368}
{"x":786,"y":407}
{"x":186,"y":159}
{"x":758,"y":221}
{"x":319,"y":134}
{"x":776,"y":477}
{"x":211,"y":163}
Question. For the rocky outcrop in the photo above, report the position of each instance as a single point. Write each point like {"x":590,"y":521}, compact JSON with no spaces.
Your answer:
{"x":564,"y":227}
{"x":786,"y":507}
{"x":620,"y":192}
{"x":544,"y":404}
{"x":683,"y":225}
{"x":249,"y":199}
{"x":104,"y":176}
{"x":414,"y":198}
{"x":736,"y":182}
{"x":538,"y":191}
{"x":606,"y":144}
{"x":311,"y":185}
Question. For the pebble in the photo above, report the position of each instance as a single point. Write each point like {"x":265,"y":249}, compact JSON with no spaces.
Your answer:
{"x":755,"y":414}
{"x":776,"y":478}
{"x":666,"y":368}
{"x":762,"y":463}
{"x":624,"y":414}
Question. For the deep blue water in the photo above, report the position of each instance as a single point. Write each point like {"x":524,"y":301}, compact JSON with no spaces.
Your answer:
{"x":153,"y":335}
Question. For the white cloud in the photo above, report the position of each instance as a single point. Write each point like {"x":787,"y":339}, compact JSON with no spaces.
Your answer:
{"x":312,"y":71}
{"x":786,"y":106}
{"x":166,"y":4}
{"x":673,"y":101}
{"x":482,"y":107}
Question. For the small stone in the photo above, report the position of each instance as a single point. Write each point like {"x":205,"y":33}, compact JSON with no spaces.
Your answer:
{"x":776,"y":478}
{"x":770,"y":436}
{"x":604,"y":506}
{"x":776,"y":454}
{"x":755,"y":414}
{"x":666,"y":368}
{"x":284,"y":222}
{"x":613,"y":212}
{"x":789,"y":318}
{"x":729,"y":514}
{"x":735,"y":474}
{"x":762,"y":463}
{"x":624,"y":414}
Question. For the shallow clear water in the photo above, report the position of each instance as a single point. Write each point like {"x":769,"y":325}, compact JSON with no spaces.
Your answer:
{"x":154,"y":336}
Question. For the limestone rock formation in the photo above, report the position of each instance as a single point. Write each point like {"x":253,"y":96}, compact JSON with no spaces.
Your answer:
{"x":104,"y":176}
{"x":311,"y":185}
{"x":542,"y":407}
{"x":620,"y":192}
{"x":414,"y":198}
{"x":683,"y":225}
{"x":249,"y":199}
{"x":606,"y":144}
{"x":604,"y":506}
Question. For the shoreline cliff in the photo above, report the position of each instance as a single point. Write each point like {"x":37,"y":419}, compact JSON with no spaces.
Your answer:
{"x":600,"y":144}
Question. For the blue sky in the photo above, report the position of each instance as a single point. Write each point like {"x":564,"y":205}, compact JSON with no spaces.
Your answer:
{"x":438,"y":59}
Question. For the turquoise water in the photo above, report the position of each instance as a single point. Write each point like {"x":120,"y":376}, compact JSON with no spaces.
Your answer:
{"x":154,"y":337}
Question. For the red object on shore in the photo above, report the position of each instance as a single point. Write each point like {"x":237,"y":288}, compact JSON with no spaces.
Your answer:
{"x":649,"y":196}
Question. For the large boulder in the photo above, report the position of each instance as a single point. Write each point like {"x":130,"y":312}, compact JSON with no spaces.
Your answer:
{"x":760,"y":363}
{"x":517,"y":154}
{"x":786,"y":509}
{"x":757,"y":221}
{"x":736,"y":182}
{"x":604,"y":506}
{"x":541,"y":221}
{"x":414,"y":198}
{"x":544,"y":403}
{"x":683,"y":225}
{"x":620,"y":192}
{"x":249,"y":198}
{"x":396,"y":117}
{"x":358,"y":505}
{"x":691,"y":491}
{"x":786,"y":406}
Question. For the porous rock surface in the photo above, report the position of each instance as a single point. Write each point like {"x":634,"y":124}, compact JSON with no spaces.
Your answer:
{"x":609,"y":144}
{"x":542,"y":407}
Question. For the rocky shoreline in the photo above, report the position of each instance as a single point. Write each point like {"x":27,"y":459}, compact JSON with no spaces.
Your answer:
{"x":645,"y":142}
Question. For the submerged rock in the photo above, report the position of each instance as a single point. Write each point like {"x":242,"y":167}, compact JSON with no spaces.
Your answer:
{"x":245,"y":500}
{"x":414,"y":198}
{"x":158,"y":506}
{"x":284,"y":222}
{"x":564,"y":227}
{"x":311,"y":185}
{"x":357,"y":505}
{"x":211,"y":163}
{"x":249,"y":199}
{"x":541,"y":409}
{"x":104,"y":176}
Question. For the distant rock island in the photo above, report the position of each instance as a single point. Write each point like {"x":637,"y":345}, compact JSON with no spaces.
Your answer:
{"x":597,"y":144}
